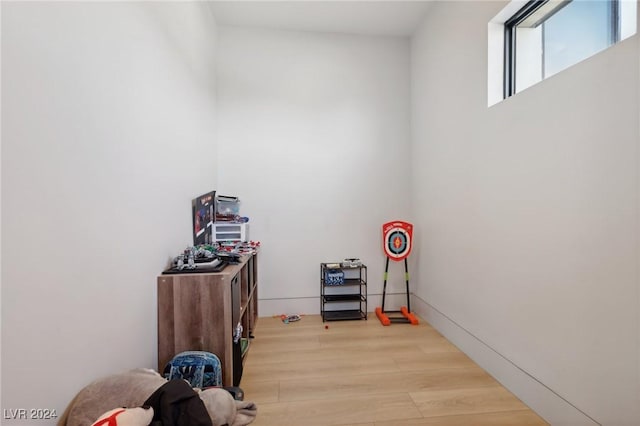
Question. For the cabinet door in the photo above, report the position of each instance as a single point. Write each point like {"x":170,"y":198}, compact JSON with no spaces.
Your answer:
{"x":194,"y":314}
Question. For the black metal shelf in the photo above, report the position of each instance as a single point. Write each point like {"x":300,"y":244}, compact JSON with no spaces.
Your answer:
{"x":354,"y":297}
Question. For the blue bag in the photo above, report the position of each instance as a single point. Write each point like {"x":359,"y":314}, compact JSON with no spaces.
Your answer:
{"x":200,"y":369}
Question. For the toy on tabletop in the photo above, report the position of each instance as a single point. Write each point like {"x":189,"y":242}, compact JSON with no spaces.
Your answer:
{"x":226,"y":250}
{"x":192,"y":255}
{"x":185,"y":260}
{"x":204,"y":252}
{"x":238,"y":247}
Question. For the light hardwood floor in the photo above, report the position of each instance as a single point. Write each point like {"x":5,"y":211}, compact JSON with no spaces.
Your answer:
{"x":361,"y":373}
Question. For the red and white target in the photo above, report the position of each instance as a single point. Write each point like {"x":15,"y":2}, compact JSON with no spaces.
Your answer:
{"x":396,"y":239}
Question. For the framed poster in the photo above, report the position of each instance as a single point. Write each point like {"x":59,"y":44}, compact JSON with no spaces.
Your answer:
{"x":203,"y":211}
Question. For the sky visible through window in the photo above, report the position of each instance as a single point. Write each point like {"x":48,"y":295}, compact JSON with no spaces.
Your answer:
{"x":577,"y":31}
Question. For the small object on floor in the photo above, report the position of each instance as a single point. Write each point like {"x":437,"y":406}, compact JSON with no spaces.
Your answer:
{"x":290,"y":318}
{"x":326,"y":327}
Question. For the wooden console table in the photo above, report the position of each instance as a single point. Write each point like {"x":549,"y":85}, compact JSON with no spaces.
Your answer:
{"x":201,"y":312}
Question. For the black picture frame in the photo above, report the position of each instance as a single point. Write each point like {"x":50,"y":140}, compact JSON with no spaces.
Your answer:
{"x":203,"y":216}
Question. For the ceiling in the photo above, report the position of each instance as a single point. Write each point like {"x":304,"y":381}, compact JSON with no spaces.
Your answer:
{"x":385,"y":18}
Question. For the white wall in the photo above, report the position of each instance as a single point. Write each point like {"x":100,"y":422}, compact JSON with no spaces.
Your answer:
{"x":108,"y":132}
{"x":529,"y":217}
{"x":314,"y":139}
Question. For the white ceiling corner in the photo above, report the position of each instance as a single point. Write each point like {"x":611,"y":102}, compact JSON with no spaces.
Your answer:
{"x":365,"y":17}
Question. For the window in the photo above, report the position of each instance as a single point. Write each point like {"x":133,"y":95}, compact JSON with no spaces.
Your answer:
{"x":547,"y":36}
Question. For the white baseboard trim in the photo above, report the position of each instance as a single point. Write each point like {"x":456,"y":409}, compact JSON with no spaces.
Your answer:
{"x":311,"y":305}
{"x":541,"y":399}
{"x":298,"y":305}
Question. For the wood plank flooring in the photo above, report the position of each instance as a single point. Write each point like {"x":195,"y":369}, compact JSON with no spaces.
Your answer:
{"x":361,"y":373}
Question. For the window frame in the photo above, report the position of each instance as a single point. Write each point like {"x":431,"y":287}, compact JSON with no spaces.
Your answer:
{"x":527,"y":11}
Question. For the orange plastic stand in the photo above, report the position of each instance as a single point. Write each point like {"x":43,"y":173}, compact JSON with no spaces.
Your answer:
{"x":385,"y":320}
{"x":408,"y":315}
{"x":382,"y":317}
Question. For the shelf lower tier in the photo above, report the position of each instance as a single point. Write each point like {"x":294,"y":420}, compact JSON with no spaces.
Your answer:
{"x":352,"y":314}
{"x":343,"y":298}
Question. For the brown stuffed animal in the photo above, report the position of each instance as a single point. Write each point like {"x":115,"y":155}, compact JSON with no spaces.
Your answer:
{"x":132,"y":388}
